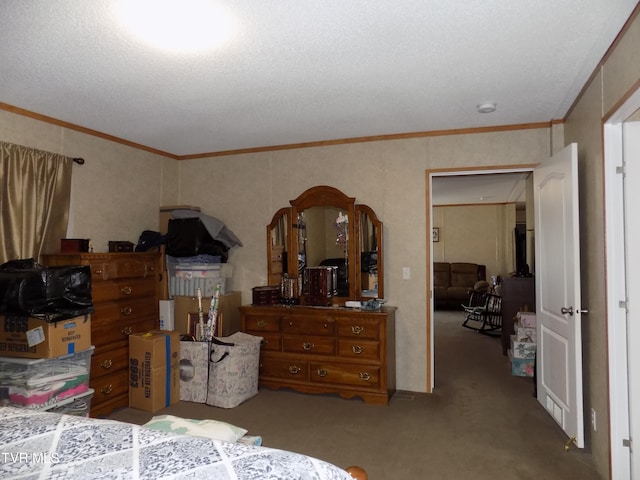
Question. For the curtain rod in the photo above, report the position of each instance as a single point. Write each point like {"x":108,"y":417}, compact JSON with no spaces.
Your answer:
{"x":79,"y":161}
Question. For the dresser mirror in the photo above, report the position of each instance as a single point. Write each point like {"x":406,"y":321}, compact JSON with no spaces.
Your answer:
{"x":325,"y":228}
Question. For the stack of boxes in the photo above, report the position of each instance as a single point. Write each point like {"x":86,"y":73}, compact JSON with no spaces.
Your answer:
{"x":46,"y":366}
{"x":523,"y":345}
{"x":45,"y":337}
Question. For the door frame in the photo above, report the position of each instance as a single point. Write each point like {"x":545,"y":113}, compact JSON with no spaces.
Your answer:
{"x":615,"y":271}
{"x":429,"y":175}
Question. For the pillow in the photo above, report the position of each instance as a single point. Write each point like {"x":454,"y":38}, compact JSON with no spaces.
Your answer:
{"x":212,"y":429}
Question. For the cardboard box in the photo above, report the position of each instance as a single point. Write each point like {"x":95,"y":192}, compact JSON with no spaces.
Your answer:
{"x":369,"y":281}
{"x":521,"y":367}
{"x":526,"y":319}
{"x":30,"y":337}
{"x":228,"y":312}
{"x":154,"y":370}
{"x":522,"y":349}
{"x":525,"y":334}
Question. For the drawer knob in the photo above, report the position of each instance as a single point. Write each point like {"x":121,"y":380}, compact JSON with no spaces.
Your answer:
{"x":98,"y":272}
{"x":291,"y":324}
{"x":127,"y":311}
{"x":322,"y":372}
{"x":106,"y":364}
{"x":357,"y":349}
{"x":357,"y":330}
{"x":307,"y":346}
{"x":262,"y":324}
{"x":365,"y":376}
{"x":107,"y":390}
{"x":127,"y":330}
{"x":127,"y":290}
{"x":293,"y":369}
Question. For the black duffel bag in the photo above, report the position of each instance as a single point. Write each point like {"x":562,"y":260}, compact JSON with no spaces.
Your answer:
{"x":49,"y":293}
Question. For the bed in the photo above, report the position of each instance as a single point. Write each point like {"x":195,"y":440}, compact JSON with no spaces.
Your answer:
{"x":42,"y":445}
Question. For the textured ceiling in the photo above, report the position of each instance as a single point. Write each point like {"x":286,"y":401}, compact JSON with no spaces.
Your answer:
{"x":302,"y":71}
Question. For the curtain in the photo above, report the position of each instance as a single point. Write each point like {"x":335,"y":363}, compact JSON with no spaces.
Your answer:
{"x":34,"y":201}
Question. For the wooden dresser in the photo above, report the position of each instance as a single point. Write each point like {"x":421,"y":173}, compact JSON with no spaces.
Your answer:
{"x":125,"y":296}
{"x":326,"y":350}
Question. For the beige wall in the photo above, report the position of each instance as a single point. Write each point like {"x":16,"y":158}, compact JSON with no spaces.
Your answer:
{"x":480,"y":234}
{"x":115,"y":195}
{"x":246,"y":190}
{"x":616,"y":78}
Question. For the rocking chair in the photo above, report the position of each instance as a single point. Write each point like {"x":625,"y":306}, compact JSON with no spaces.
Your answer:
{"x":484,"y":310}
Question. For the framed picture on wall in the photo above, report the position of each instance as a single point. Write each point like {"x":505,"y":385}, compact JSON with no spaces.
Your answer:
{"x":435,"y":234}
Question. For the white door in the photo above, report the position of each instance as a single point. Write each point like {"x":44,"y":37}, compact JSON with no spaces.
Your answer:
{"x":558,"y":304}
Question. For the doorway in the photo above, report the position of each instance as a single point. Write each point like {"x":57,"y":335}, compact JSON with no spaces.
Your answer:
{"x":430,"y":175}
{"x":622,"y":169}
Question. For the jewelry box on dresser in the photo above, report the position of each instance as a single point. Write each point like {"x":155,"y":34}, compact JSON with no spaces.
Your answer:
{"x":125,"y":288}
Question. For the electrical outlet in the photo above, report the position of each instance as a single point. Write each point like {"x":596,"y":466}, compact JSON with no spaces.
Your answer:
{"x":406,"y":273}
{"x":593,"y":419}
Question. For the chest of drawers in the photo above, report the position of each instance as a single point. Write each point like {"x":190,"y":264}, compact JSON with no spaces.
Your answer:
{"x":326,"y":350}
{"x":124,"y":288}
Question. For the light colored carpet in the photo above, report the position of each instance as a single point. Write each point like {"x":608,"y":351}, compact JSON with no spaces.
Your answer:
{"x":479,"y":423}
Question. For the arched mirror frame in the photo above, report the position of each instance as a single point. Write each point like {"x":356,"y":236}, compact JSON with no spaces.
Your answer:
{"x":362,"y":210}
{"x":319,"y":196}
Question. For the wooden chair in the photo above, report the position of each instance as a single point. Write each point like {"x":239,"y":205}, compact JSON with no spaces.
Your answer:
{"x":484,"y":312}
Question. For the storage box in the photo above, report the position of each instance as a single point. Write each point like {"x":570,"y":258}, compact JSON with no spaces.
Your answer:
{"x":369,"y":281}
{"x":154,"y":369}
{"x":30,"y":337}
{"x":44,"y":383}
{"x":525,"y":334}
{"x":521,"y":367}
{"x":522,"y":349}
{"x":166,"y":309}
{"x":266,"y":295}
{"x":79,"y":406}
{"x":526,"y":319}
{"x":233,"y":370}
{"x":194,"y":371}
{"x":228,"y":312}
{"x":120,"y":246}
{"x":74,"y":245}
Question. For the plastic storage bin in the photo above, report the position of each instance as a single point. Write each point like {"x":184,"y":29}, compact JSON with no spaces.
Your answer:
{"x":79,"y":406}
{"x":44,"y":383}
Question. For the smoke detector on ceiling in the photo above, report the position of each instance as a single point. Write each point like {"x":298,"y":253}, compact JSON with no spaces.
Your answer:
{"x":486,"y":107}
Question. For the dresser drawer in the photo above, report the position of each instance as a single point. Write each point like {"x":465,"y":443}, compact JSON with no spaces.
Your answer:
{"x":364,"y":349}
{"x":261,"y":323}
{"x":106,"y":332}
{"x":309,"y":345}
{"x":123,"y":310}
{"x":122,"y":289}
{"x":358,"y":376}
{"x":129,"y":267}
{"x":309,"y":326}
{"x":110,"y":386}
{"x":293,"y":369}
{"x":270,"y":342}
{"x":106,"y":361}
{"x":358,"y":328}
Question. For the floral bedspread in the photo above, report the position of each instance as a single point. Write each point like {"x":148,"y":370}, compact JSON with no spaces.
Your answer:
{"x":43,"y":445}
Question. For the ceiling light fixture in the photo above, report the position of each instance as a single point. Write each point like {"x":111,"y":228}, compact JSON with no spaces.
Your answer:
{"x":486,"y":107}
{"x":185,"y":26}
